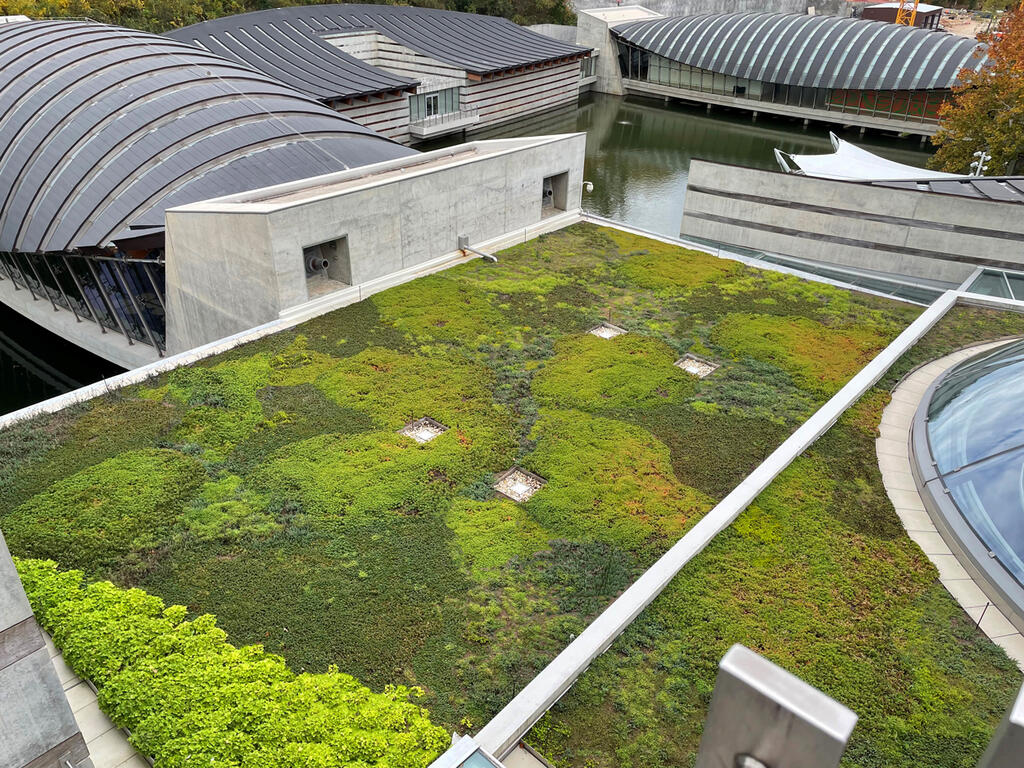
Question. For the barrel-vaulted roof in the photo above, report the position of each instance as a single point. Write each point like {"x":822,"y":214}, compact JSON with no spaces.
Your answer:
{"x":287,"y":43}
{"x":810,"y":51}
{"x":103,"y":128}
{"x":289,"y":48}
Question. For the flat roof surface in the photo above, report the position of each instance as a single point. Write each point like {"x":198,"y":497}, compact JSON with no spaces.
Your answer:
{"x":269,"y":486}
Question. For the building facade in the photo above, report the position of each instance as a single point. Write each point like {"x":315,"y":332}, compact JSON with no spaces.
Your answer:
{"x":107,"y":128}
{"x":409,"y":73}
{"x":836,"y":70}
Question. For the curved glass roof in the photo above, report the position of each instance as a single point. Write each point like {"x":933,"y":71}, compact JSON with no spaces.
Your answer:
{"x":976,"y":437}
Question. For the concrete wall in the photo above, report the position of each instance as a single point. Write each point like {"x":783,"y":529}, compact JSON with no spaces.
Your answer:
{"x":901,"y":232}
{"x":236,"y":262}
{"x":563,"y":32}
{"x":37,"y":729}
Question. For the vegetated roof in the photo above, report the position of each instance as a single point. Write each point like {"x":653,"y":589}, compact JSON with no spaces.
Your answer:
{"x":103,"y":128}
{"x":290,"y":50}
{"x":478,"y":44}
{"x":810,"y":51}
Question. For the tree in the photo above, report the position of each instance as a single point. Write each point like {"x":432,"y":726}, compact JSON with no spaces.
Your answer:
{"x":987,"y":109}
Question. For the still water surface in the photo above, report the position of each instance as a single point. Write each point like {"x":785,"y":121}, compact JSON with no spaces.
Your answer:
{"x":638,"y":153}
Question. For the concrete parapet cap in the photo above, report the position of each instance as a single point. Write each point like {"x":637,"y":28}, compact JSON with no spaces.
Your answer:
{"x":282,"y":196}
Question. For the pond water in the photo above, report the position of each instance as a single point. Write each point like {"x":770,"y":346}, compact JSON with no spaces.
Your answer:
{"x":638,"y":155}
{"x":639,"y":151}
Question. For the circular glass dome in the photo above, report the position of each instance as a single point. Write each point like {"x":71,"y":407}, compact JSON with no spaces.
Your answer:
{"x":975,"y":437}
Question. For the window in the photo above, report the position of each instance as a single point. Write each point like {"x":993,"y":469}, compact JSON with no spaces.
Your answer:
{"x":424,"y":105}
{"x":587,"y":67}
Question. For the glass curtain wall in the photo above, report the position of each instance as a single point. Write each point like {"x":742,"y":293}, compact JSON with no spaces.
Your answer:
{"x":919,"y":106}
{"x":443,"y":102}
{"x":119,"y":294}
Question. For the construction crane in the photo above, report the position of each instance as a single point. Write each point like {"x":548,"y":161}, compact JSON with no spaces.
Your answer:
{"x":906,"y":14}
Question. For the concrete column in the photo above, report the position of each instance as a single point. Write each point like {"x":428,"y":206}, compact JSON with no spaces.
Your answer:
{"x":37,"y":729}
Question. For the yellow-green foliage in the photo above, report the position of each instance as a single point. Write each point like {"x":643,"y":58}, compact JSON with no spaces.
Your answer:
{"x":226,"y":511}
{"x":312,"y":527}
{"x":490,"y":533}
{"x":819,"y":357}
{"x":395,"y":388}
{"x":589,"y":372}
{"x":819,"y":577}
{"x":668,"y":268}
{"x":440,"y":309}
{"x":369,"y":474}
{"x":607,"y":480}
{"x":222,"y":406}
{"x":97,"y":517}
{"x":190,"y":698}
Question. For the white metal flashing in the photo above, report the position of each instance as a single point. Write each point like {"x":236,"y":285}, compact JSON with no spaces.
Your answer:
{"x":505,"y":730}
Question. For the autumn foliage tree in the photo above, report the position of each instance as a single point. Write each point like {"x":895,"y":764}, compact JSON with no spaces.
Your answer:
{"x":987,"y":108}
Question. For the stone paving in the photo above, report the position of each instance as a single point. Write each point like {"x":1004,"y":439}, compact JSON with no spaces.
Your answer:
{"x":108,"y":745}
{"x":893,"y":449}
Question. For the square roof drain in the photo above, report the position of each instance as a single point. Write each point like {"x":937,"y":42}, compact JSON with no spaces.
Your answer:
{"x":697,"y":366}
{"x":607,"y":331}
{"x":423,"y":430}
{"x":518,"y":484}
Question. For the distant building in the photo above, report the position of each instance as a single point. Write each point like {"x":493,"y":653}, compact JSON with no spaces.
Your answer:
{"x":927,"y":16}
{"x":836,"y":70}
{"x":408,"y":73}
{"x":105,"y":129}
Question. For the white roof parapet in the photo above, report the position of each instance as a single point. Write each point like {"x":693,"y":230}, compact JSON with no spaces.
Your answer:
{"x":851,"y":163}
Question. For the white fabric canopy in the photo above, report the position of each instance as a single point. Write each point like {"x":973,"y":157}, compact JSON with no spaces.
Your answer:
{"x":851,"y":163}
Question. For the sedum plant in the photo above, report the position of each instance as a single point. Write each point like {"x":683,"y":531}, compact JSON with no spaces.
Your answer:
{"x":190,"y":698}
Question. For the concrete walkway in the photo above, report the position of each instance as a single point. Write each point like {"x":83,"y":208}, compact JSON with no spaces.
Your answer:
{"x":893,"y":449}
{"x":108,"y":745}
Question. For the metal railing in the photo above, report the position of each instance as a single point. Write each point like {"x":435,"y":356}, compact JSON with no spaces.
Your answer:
{"x":122,"y":295}
{"x":457,"y":116}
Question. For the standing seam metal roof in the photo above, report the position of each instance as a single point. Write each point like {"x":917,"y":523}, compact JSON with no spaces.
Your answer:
{"x":477,"y":44}
{"x":103,"y":128}
{"x":812,"y":51}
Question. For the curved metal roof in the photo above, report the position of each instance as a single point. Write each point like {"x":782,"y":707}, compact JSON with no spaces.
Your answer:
{"x":103,"y":128}
{"x":293,"y":53}
{"x":478,"y":44}
{"x":812,"y":51}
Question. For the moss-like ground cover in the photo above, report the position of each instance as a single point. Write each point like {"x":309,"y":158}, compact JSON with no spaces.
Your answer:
{"x":269,"y":487}
{"x":818,"y":576}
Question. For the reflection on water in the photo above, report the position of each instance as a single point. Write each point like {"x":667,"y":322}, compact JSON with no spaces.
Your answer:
{"x":36,"y":364}
{"x":638,"y":152}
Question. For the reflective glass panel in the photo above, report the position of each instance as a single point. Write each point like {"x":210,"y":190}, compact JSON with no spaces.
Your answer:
{"x":990,"y":496}
{"x":978,"y":410}
{"x":990,"y":283}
